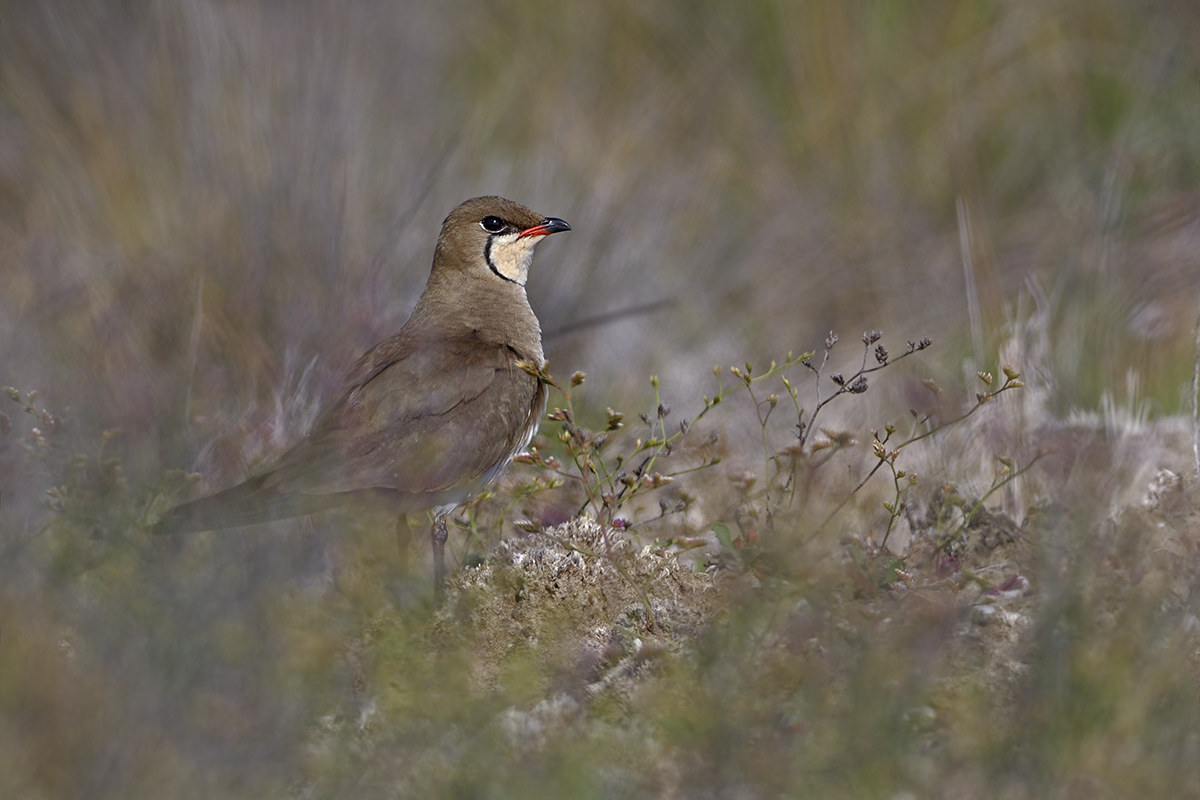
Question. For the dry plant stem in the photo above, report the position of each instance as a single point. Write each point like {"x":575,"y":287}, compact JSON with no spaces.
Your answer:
{"x":194,"y":347}
{"x":571,"y":433}
{"x":585,"y":464}
{"x":1008,"y":476}
{"x":608,"y":486}
{"x":661,"y":418}
{"x":966,"y":243}
{"x":855,"y":384}
{"x":610,"y":317}
{"x":609,"y":483}
{"x":1012,"y":381}
{"x":612,"y":488}
{"x":1196,"y":403}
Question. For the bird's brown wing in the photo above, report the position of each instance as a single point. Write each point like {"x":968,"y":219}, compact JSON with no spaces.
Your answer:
{"x":430,"y":419}
{"x":425,"y":423}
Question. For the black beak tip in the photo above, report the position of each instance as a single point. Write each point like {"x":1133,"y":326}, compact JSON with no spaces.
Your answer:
{"x":555,"y":225}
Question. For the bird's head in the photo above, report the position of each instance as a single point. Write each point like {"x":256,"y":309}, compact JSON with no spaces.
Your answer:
{"x":496,"y":233}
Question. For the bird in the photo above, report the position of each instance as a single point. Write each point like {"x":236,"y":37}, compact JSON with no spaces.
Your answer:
{"x":430,"y":416}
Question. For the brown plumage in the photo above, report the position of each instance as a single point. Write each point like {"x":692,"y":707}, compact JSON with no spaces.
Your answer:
{"x":431,"y":415}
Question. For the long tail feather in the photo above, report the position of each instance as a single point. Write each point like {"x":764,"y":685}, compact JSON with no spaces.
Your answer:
{"x":248,"y":503}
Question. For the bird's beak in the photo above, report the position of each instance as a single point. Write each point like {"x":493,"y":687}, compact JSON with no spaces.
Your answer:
{"x":548,"y":225}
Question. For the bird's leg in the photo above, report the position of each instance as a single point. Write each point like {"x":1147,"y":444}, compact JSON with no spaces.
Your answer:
{"x":437,"y":537}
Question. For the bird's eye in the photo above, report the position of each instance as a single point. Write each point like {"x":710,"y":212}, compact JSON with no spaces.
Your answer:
{"x":492,"y":224}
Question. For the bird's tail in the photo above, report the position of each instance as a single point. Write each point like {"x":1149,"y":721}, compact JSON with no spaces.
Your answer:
{"x":248,"y":503}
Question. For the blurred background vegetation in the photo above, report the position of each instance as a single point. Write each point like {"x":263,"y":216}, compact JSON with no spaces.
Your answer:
{"x":209,"y":208}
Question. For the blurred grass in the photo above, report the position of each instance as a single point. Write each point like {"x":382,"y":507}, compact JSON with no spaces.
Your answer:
{"x":207,"y":209}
